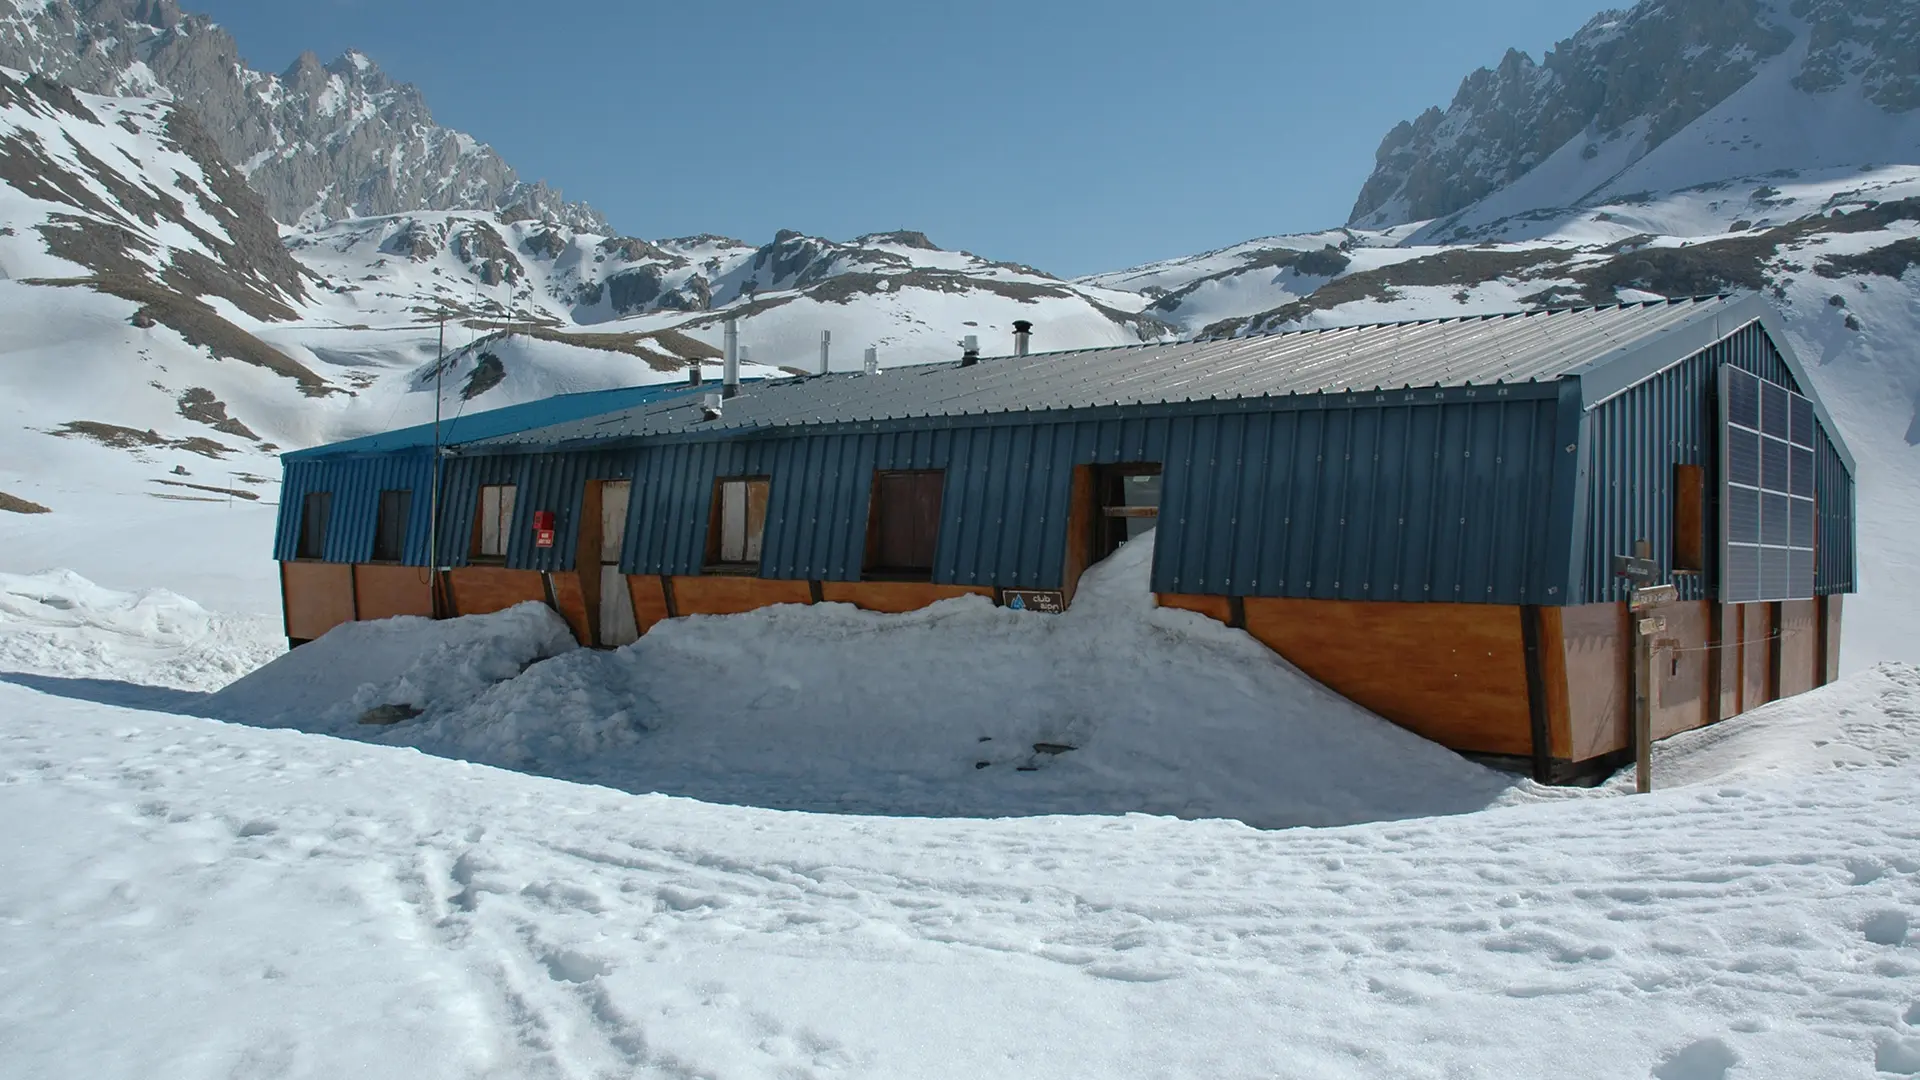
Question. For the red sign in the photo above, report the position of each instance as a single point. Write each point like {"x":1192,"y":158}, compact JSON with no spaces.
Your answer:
{"x":543,"y":538}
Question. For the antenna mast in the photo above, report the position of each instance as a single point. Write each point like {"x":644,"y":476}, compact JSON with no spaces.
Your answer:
{"x":433,"y":497}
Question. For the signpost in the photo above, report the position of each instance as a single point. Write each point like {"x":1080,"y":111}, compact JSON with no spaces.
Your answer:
{"x":1644,"y":596}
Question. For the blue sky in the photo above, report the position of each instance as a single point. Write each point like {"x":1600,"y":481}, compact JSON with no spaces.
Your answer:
{"x":1072,"y":136}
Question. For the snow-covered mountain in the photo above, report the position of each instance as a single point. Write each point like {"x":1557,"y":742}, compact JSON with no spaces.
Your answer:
{"x":1666,"y":95}
{"x":317,"y":140}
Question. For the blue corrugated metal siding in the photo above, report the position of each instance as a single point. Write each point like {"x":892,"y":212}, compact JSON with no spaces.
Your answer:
{"x":555,"y":482}
{"x":1834,"y":567}
{"x":1446,"y":502}
{"x":356,"y":485}
{"x":1251,"y":502}
{"x":1637,"y":437}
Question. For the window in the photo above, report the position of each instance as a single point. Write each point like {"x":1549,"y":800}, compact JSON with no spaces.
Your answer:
{"x":316,"y":510}
{"x":493,"y":526}
{"x":903,"y":523}
{"x":1767,"y":490}
{"x":390,"y":528}
{"x":1129,"y":505}
{"x":738,"y":523}
{"x":1689,"y":519}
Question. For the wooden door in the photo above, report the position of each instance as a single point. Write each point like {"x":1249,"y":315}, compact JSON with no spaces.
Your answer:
{"x":617,"y":626}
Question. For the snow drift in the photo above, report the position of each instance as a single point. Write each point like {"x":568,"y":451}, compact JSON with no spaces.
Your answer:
{"x":826,"y":707}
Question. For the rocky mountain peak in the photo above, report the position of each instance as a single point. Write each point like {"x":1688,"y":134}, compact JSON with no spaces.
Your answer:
{"x":334,"y":140}
{"x":1644,"y":74}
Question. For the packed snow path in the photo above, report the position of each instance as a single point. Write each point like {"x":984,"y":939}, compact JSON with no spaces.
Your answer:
{"x":184,"y":898}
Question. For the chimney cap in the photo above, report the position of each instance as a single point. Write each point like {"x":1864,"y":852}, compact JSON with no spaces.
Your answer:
{"x":1022,"y":326}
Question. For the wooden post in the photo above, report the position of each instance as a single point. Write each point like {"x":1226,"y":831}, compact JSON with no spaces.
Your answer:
{"x":1642,"y":661}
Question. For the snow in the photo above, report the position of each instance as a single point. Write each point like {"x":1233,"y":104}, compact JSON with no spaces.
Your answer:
{"x":321,"y":907}
{"x":828,"y":708}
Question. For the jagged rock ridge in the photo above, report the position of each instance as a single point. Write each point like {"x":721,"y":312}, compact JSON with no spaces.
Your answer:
{"x":333,"y":140}
{"x":1645,"y":73}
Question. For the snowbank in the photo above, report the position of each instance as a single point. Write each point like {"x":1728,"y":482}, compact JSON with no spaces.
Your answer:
{"x":934,"y":712}
{"x":329,"y":684}
{"x":57,"y":623}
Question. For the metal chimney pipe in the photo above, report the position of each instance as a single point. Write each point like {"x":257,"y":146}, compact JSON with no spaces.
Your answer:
{"x":693,"y":373}
{"x":826,"y":340}
{"x":969,"y":350}
{"x":871,"y":363}
{"x":1022,"y":336}
{"x":731,"y":379}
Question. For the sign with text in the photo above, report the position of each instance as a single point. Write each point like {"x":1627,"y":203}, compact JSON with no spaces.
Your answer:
{"x":543,"y":538}
{"x":1051,"y":601}
{"x":1635,"y":569}
{"x":1647,"y":596}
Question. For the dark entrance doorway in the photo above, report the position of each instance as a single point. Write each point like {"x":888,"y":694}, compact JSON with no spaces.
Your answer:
{"x":1129,"y":504}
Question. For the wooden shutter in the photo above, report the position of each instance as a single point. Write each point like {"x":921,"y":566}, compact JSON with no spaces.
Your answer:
{"x":1689,"y":518}
{"x":390,"y":532}
{"x":316,"y":511}
{"x":906,"y":521}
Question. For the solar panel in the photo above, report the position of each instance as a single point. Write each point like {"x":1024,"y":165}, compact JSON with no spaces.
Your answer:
{"x":1767,"y":492}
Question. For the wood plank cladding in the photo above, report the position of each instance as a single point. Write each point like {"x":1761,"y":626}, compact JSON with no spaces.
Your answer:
{"x":1594,"y":647}
{"x":649,"y":600}
{"x":1553,"y":676}
{"x":1680,"y":674}
{"x":1218,"y":608}
{"x":1831,"y":640}
{"x":571,"y":599}
{"x":895,"y":596}
{"x":1799,"y":646}
{"x":383,"y":591}
{"x":319,"y":597}
{"x":478,"y":590}
{"x":1081,"y":509}
{"x":726,"y":594}
{"x":1756,"y":628}
{"x":1454,"y":673}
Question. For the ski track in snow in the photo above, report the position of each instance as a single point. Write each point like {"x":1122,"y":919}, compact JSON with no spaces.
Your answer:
{"x":338,"y":908}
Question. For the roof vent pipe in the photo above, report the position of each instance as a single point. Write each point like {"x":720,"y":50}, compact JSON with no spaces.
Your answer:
{"x":826,"y":340}
{"x":693,"y":373}
{"x":1022,"y":336}
{"x":969,"y":350}
{"x":872,"y":362}
{"x":731,"y":380}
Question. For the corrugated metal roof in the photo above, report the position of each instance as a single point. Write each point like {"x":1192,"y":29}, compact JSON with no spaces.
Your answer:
{"x":1480,"y":350}
{"x":472,"y":427}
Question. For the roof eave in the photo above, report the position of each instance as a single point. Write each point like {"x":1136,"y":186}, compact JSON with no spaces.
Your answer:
{"x":1615,"y":373}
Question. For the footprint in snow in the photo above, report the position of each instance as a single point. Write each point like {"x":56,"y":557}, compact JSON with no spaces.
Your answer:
{"x":1702,"y":1059}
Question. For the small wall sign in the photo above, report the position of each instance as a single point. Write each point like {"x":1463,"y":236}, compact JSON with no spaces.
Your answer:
{"x":543,"y":538}
{"x":1050,"y":601}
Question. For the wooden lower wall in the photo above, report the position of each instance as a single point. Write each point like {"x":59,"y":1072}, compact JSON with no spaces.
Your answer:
{"x":382,"y":591}
{"x":1454,"y":673}
{"x":316,"y":597}
{"x":895,"y":596}
{"x":481,"y":590}
{"x":725,"y":594}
